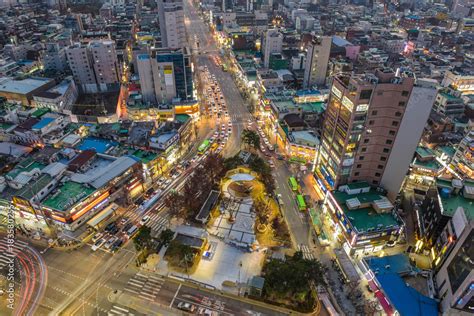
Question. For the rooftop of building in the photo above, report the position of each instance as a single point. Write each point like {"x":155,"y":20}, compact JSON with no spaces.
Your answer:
{"x":366,"y":218}
{"x":43,"y":123}
{"x":23,"y":86}
{"x":26,"y":165}
{"x":144,"y":156}
{"x":30,"y":190}
{"x":306,"y":138}
{"x":99,"y":145}
{"x":452,"y":202}
{"x":428,"y":164}
{"x":424,"y":152}
{"x":68,"y":194}
{"x":389,"y":272}
{"x":450,"y":97}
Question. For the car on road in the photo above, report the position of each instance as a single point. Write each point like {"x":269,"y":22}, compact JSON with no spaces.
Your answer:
{"x":280,"y":199}
{"x":167,"y":182}
{"x":132,"y":230}
{"x":144,"y":220}
{"x":110,"y":242}
{"x":188,"y":307}
{"x":97,"y":237}
{"x":116,"y":245}
{"x":98,"y":244}
{"x":123,"y":220}
{"x":206,"y":312}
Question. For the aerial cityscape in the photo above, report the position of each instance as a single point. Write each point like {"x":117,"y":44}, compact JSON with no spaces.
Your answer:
{"x":236,"y":157}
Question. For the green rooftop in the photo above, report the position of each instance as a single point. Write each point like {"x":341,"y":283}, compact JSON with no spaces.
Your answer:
{"x":450,"y":97}
{"x":430,"y":164}
{"x":30,"y":190}
{"x":444,"y":183}
{"x":448,"y":150}
{"x":40,"y":112}
{"x":145,"y":156}
{"x":5,"y":126}
{"x":26,"y":165}
{"x":317,"y":107}
{"x":363,"y":219}
{"x":358,"y":185}
{"x":67,"y":195}
{"x":451,"y":204}
{"x":182,"y":118}
{"x":424,"y":152}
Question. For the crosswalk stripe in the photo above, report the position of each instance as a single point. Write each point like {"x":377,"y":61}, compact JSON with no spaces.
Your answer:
{"x":156,"y":279}
{"x":120,"y":308}
{"x":131,"y":290}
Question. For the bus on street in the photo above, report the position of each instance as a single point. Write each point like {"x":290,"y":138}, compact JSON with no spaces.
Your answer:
{"x":293,"y":184}
{"x":301,"y":202}
{"x":204,"y":146}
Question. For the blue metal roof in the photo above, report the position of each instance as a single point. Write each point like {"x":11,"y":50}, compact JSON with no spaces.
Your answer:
{"x":44,"y":122}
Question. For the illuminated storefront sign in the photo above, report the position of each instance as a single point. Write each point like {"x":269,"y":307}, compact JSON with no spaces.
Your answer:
{"x":347,"y":103}
{"x":90,"y":206}
{"x":336,"y":92}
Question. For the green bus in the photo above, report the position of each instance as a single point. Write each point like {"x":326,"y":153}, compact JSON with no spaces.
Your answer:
{"x":204,"y":146}
{"x":293,"y":184}
{"x":301,"y":202}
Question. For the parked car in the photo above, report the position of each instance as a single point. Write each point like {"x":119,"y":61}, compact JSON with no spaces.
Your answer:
{"x":188,"y":307}
{"x":98,"y":244}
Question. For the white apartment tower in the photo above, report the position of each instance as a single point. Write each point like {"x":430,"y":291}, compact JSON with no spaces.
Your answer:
{"x":171,"y":18}
{"x":317,"y":59}
{"x":94,"y":65}
{"x":273,"y":44}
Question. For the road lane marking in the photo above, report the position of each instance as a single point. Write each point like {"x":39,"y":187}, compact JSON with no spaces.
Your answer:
{"x":175,"y":294}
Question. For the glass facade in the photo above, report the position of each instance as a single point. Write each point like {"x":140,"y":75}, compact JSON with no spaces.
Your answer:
{"x":182,"y":73}
{"x":462,"y":264}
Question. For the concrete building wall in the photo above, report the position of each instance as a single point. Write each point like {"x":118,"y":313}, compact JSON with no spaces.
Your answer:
{"x":146,"y":78}
{"x":273,"y":44}
{"x":105,"y":62}
{"x":80,"y":64}
{"x":407,"y":138}
{"x":317,"y":59}
{"x":453,"y":289}
{"x":171,"y":19}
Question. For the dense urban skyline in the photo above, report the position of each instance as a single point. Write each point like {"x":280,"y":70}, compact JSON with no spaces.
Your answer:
{"x":225,"y":157}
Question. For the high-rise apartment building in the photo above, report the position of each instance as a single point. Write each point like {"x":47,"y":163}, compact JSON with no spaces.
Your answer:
{"x":171,"y":18}
{"x":165,"y":74}
{"x":94,"y":65}
{"x":372,"y":126}
{"x":317,"y":59}
{"x":54,"y":57}
{"x":272,"y":44}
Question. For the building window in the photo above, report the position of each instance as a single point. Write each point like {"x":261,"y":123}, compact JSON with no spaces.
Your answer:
{"x":361,"y":158}
{"x":365,"y":94}
{"x":371,"y":122}
{"x":377,"y":174}
{"x":405,"y":93}
{"x":374,"y":112}
{"x":366,"y":141}
{"x":356,"y":174}
{"x":398,"y":114}
{"x":388,"y":142}
{"x":358,"y":166}
{"x":383,"y":158}
{"x":395,"y":123}
{"x":392,"y":133}
{"x":375,"y":182}
{"x":364,"y":149}
{"x":380,"y":167}
{"x":386,"y":150}
{"x":401,"y":103}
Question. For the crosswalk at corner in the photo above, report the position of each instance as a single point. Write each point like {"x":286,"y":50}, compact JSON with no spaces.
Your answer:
{"x":307,"y":253}
{"x":144,"y":286}
{"x":158,"y":222}
{"x":119,"y":310}
{"x":6,"y":254}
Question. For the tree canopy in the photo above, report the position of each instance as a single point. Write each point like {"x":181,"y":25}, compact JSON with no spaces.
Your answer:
{"x":250,"y":138}
{"x":142,"y":239}
{"x":290,"y":282}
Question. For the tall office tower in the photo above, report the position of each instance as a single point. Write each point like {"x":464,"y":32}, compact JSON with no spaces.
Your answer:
{"x":166,"y":75}
{"x":317,"y":59}
{"x":171,"y":18}
{"x":372,"y":126}
{"x":273,"y":43}
{"x":94,"y":65}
